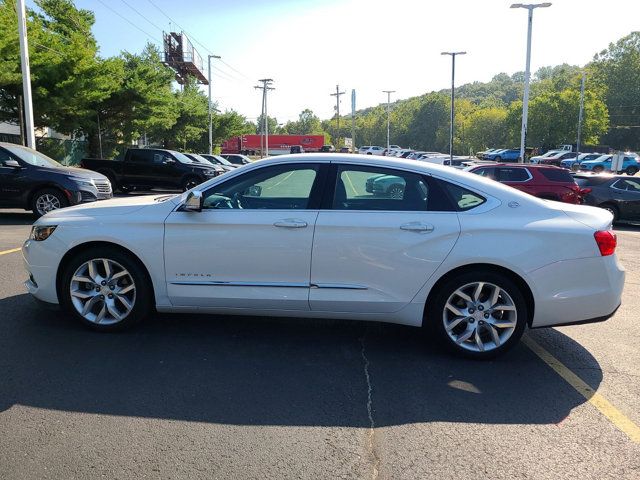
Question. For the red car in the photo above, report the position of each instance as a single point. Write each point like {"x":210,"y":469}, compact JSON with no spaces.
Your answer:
{"x":542,"y":181}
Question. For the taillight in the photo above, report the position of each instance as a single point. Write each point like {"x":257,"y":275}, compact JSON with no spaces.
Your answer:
{"x":607,"y":242}
{"x":585,"y":191}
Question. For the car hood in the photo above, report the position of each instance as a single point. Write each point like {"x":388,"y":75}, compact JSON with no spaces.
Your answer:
{"x":73,"y":172}
{"x":115,"y":206}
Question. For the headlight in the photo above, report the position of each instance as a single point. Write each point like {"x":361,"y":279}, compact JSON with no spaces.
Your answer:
{"x":83,"y":182}
{"x":41,"y":232}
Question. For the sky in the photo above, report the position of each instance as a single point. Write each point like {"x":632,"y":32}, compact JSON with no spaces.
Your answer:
{"x":309,"y":46}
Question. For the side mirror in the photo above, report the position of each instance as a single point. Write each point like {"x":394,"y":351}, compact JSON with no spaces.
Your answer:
{"x":193,"y":202}
{"x":12,"y":164}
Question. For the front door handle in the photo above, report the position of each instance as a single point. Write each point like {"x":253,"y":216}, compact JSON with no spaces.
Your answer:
{"x":290,"y":223}
{"x":417,"y":227}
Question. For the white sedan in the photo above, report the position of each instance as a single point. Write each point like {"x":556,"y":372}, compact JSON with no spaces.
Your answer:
{"x":319,"y":235}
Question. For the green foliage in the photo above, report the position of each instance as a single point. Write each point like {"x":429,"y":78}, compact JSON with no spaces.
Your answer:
{"x":616,"y":71}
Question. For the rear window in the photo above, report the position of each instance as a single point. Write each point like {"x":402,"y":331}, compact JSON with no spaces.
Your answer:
{"x":589,"y":182}
{"x":559,"y":175}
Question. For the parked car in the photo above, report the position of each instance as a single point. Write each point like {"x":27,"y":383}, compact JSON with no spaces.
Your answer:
{"x":345,"y":150}
{"x":506,"y":155}
{"x":296,"y":149}
{"x":463,"y":256}
{"x":572,"y":163}
{"x":327,"y":148}
{"x":537,"y":158}
{"x":205,"y":161}
{"x":542,"y":181}
{"x":236,"y":158}
{"x":371,"y":150}
{"x":618,"y":194}
{"x":480,"y":155}
{"x":557,"y":158}
{"x":148,"y":168}
{"x":630,"y":164}
{"x":219,"y":161}
{"x":32,"y":181}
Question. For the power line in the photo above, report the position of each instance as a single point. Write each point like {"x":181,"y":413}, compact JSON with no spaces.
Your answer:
{"x":235,"y":70}
{"x":135,"y":10}
{"x":179,"y":26}
{"x":50,"y":49}
{"x":129,"y":21}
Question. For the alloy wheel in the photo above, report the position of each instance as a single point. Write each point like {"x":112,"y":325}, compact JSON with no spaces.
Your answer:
{"x":102,"y":291}
{"x":480,"y":316}
{"x":396,"y":193}
{"x":46,"y":203}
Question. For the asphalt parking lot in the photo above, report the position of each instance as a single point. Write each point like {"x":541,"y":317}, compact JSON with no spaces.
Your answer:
{"x":237,"y":397}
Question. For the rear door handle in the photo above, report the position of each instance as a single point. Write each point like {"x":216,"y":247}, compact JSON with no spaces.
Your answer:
{"x":417,"y":227}
{"x":290,"y":223}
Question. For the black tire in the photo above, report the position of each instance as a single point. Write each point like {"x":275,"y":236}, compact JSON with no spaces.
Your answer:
{"x":611,"y":208}
{"x":498,"y":158}
{"x":435,"y":313}
{"x":190,"y":182}
{"x":143,"y":301}
{"x":598,"y":169}
{"x":41,"y":195}
{"x":396,"y":191}
{"x":369,"y":153}
{"x":631,"y":170}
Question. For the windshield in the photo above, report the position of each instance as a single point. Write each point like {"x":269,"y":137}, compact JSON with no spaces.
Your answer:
{"x":222,"y":160}
{"x":181,"y":157}
{"x":32,"y":157}
{"x":199,"y":158}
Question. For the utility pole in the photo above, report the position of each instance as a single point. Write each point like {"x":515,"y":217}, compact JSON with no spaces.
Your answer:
{"x":211,"y":107}
{"x":337,"y":95}
{"x":388,"y":92}
{"x":26,"y":76}
{"x":453,"y":86}
{"x":580,"y":114}
{"x":527,"y":73}
{"x":266,"y":82}
{"x":353,"y":120}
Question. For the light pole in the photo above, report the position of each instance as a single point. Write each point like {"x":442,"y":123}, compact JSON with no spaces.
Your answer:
{"x":388,"y":92}
{"x":26,"y":76}
{"x":527,"y":72}
{"x":211,"y":108}
{"x":453,"y":84}
{"x":580,"y":114}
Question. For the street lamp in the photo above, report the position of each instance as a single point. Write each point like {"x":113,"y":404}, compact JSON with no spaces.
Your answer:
{"x":453,"y":83}
{"x":527,"y":72}
{"x":211,"y":108}
{"x":388,"y":92}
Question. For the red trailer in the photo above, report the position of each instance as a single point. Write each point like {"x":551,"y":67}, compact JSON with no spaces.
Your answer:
{"x":278,"y":144}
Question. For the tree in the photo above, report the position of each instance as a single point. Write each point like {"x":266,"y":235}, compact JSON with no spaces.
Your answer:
{"x":272,"y":124}
{"x":616,"y":71}
{"x":486,"y":127}
{"x":67,"y":77}
{"x":190,"y":131}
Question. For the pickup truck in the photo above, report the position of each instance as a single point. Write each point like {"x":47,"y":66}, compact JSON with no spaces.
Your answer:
{"x":147,"y":168}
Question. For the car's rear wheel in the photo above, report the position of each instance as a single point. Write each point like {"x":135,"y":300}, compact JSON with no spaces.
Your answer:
{"x":498,"y":159}
{"x":106,"y":289}
{"x":478,"y":314}
{"x":190,"y":182}
{"x":631,"y":170}
{"x":613,"y":210}
{"x":47,"y":200}
{"x":396,"y":192}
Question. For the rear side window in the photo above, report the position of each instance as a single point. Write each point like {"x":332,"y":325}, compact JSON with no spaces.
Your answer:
{"x":512,"y":174}
{"x":554,"y":175}
{"x":486,"y":172}
{"x":462,"y":198}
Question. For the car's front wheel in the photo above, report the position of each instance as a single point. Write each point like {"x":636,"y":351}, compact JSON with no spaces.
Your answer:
{"x":106,"y":289}
{"x":598,"y":169}
{"x":478,"y":314}
{"x":631,"y":170}
{"x":47,"y":200}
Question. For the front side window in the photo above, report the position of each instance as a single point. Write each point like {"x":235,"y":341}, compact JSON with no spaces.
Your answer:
{"x":630,"y":185}
{"x":282,"y":187}
{"x":486,"y":172}
{"x":32,"y":157}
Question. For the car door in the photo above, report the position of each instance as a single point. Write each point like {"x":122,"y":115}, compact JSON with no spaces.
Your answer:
{"x":167,"y":171}
{"x":383,"y":233}
{"x":13,"y":180}
{"x":250,"y":246}
{"x":626,"y":192}
{"x":138,"y":166}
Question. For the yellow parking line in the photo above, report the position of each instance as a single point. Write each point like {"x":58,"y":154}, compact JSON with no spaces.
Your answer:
{"x":615,"y":416}
{"x":13,"y":250}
